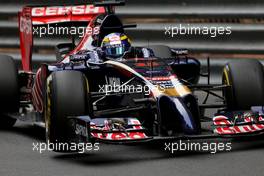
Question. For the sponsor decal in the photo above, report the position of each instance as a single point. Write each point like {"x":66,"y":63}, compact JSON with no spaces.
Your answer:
{"x":240,"y":124}
{"x":25,"y":25}
{"x":115,"y":40}
{"x":81,"y":130}
{"x":74,"y":10}
{"x":120,"y":136}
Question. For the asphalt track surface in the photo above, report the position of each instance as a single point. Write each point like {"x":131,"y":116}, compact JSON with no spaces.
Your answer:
{"x":17,"y":158}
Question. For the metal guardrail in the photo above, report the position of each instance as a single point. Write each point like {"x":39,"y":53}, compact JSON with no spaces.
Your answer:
{"x":244,"y":17}
{"x":245,"y":38}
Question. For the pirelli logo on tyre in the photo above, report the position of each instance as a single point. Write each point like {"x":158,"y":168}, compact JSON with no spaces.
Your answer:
{"x":47,"y":110}
{"x":227,"y":81}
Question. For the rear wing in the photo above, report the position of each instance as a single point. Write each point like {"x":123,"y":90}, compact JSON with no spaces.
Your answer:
{"x":57,"y":14}
{"x":31,"y":16}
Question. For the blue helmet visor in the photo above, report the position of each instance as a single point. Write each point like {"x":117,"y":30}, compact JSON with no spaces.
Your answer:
{"x":115,"y":52}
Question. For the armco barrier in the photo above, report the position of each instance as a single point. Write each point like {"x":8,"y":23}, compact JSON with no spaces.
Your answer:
{"x":244,"y":17}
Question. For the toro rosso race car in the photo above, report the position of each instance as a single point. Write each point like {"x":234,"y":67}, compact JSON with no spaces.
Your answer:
{"x":102,"y":88}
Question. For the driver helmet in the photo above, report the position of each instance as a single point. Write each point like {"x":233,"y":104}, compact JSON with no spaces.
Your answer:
{"x":115,"y":45}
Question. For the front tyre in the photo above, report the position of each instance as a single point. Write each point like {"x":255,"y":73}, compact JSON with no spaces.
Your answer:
{"x":245,"y":79}
{"x":66,"y":95}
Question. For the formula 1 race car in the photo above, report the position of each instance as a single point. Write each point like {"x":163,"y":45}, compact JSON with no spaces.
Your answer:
{"x":148,"y":94}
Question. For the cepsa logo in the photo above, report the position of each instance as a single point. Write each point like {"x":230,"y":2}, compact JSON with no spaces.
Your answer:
{"x":75,"y":10}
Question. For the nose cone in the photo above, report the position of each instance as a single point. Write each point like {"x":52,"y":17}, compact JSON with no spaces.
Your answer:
{"x":174,"y":113}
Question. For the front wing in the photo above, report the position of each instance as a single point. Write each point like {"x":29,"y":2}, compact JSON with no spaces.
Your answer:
{"x":88,"y":130}
{"x":239,"y":122}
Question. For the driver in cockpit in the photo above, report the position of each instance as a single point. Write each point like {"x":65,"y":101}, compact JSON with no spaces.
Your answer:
{"x":116,"y":46}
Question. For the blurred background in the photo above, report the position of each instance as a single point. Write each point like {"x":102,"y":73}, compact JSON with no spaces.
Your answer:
{"x":244,"y":17}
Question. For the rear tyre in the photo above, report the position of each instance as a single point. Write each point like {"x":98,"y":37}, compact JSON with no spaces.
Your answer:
{"x":246,"y":81}
{"x":161,"y":51}
{"x":9,"y":91}
{"x":66,"y":95}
